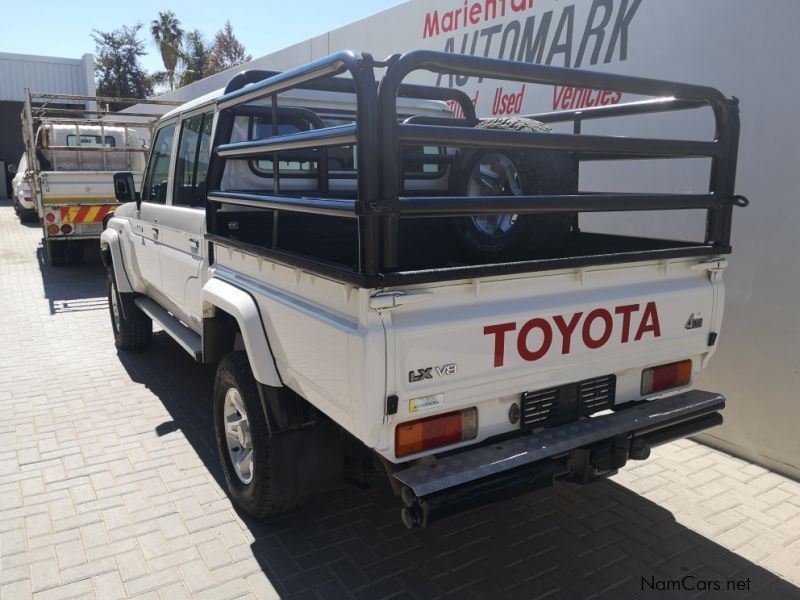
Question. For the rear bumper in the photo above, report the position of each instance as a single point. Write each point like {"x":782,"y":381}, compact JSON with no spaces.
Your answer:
{"x":581,"y":451}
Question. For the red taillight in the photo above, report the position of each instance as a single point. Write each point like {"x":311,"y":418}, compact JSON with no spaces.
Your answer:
{"x":665,"y":377}
{"x":65,"y":228}
{"x":434,"y":432}
{"x":50,"y":217}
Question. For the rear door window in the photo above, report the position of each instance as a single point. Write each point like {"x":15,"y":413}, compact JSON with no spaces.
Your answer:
{"x":194,"y":150}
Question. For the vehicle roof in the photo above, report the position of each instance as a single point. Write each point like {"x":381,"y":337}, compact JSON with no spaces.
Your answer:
{"x":320,"y":100}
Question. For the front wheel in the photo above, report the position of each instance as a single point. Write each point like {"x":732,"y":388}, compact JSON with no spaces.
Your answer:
{"x":244,"y":441}
{"x":132,"y":328}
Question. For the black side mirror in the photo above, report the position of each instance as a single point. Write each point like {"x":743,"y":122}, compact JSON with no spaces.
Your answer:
{"x":125,"y":188}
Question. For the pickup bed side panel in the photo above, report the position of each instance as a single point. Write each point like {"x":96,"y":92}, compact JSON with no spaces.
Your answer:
{"x":328,"y":346}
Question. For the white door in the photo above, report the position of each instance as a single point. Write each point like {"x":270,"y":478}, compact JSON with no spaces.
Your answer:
{"x":147,"y":225}
{"x":183,"y":221}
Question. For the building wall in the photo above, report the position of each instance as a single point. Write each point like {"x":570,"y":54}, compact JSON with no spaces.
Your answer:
{"x":45,"y":74}
{"x":19,"y":72}
{"x":743,"y":48}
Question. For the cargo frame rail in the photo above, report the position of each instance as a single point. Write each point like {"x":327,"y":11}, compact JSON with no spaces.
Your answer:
{"x":380,"y":140}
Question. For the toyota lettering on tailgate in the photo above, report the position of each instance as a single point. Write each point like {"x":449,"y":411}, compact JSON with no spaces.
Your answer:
{"x":627,"y":323}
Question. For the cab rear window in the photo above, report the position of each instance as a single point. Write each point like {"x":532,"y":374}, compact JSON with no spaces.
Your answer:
{"x":91,"y":141}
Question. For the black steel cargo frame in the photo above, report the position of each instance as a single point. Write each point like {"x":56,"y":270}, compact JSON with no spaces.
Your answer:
{"x":380,"y":138}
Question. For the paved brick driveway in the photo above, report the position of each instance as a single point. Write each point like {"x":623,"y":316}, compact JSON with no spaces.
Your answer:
{"x":109,"y":487}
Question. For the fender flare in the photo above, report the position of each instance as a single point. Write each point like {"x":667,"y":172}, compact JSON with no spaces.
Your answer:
{"x":109,"y":241}
{"x":241,"y":305}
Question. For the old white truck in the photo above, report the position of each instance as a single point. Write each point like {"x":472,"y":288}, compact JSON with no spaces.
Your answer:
{"x":71,"y":155}
{"x":365,"y":264}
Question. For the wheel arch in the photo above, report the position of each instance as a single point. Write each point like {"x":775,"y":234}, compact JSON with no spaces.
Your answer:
{"x":111,"y":255}
{"x":228,"y":310}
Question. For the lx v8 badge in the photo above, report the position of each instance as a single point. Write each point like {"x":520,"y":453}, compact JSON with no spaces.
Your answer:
{"x":429,"y":372}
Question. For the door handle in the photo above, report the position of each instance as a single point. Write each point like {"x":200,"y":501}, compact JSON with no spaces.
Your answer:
{"x":194,"y":245}
{"x":155,"y":232}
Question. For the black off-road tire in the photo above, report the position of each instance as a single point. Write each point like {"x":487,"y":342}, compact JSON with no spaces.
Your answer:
{"x":134,"y":329}
{"x":258,"y":498}
{"x":541,"y":172}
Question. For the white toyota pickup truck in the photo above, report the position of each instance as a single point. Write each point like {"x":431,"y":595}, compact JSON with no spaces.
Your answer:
{"x":370,"y":271}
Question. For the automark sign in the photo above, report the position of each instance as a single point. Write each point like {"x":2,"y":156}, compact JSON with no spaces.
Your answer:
{"x":523,"y":31}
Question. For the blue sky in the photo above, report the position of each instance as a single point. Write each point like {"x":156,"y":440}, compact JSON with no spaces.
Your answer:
{"x":64,"y":28}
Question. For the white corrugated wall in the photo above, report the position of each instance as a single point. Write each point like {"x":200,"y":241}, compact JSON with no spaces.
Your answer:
{"x":44,"y":74}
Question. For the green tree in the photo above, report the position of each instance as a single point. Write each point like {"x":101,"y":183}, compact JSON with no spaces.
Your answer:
{"x":168,"y":36}
{"x":195,"y":58}
{"x":227,"y":52}
{"x":117,"y":66}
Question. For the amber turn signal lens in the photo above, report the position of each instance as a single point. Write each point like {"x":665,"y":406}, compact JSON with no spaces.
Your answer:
{"x":53,"y":229}
{"x":666,"y":377}
{"x":434,"y":432}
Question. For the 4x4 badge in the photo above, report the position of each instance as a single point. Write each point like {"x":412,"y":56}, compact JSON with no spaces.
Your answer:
{"x":694,"y":322}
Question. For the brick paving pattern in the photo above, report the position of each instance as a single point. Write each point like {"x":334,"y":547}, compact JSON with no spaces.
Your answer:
{"x":110,"y":488}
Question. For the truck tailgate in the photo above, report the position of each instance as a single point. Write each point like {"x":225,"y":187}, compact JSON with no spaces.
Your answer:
{"x":468,"y":343}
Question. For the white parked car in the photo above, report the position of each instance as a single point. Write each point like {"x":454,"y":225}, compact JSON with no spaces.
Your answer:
{"x":21,"y":190}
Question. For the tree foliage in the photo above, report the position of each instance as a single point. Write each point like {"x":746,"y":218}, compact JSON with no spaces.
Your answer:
{"x":117,"y":66}
{"x":187,"y":57}
{"x":195,"y":58}
{"x":227,"y":51}
{"x":168,"y":36}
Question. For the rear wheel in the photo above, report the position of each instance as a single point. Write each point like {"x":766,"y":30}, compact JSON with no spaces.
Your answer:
{"x":513,"y":173}
{"x":132,"y":328}
{"x":28,"y":215}
{"x":244,"y":441}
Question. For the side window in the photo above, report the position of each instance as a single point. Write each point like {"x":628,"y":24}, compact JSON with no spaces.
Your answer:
{"x":194,"y":150}
{"x":155,"y":187}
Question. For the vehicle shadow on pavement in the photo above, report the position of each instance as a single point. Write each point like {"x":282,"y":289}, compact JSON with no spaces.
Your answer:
{"x":598,"y":541}
{"x":32,"y":224}
{"x":74,"y":287}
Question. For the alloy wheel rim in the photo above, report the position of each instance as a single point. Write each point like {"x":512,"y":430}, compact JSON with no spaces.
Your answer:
{"x":115,"y":308}
{"x":494,"y":175}
{"x":237,"y":435}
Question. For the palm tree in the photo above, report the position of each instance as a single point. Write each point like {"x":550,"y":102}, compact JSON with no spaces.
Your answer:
{"x":168,"y":36}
